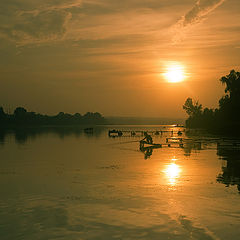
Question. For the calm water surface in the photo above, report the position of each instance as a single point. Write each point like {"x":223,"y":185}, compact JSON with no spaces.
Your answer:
{"x":66,"y":184}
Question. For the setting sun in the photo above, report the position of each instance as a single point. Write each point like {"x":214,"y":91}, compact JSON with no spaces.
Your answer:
{"x":174,"y":73}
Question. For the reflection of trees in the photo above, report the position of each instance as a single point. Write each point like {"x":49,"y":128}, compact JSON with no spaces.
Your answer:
{"x":190,"y":146}
{"x":22,"y":135}
{"x":231,"y":171}
{"x":2,"y":136}
{"x":194,"y":143}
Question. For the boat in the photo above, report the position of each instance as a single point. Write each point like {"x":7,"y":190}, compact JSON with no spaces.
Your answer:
{"x":144,"y":144}
{"x":115,"y":133}
{"x":88,"y":130}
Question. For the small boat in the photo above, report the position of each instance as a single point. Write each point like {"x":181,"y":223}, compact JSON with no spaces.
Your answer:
{"x":115,"y":133}
{"x":88,"y":130}
{"x":144,"y":144}
{"x":174,"y":140}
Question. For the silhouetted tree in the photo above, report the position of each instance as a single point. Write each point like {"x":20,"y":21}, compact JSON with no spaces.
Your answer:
{"x":20,"y":114}
{"x":90,"y":117}
{"x":22,"y":117}
{"x":232,"y":82}
{"x":227,"y":116}
{"x":193,"y":108}
{"x":229,"y":104}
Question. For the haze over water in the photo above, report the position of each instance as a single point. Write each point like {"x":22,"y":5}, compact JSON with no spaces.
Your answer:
{"x":66,"y":184}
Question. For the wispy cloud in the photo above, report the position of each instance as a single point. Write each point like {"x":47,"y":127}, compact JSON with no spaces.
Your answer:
{"x":29,"y":22}
{"x":200,"y":11}
{"x":45,"y":21}
{"x":197,"y":14}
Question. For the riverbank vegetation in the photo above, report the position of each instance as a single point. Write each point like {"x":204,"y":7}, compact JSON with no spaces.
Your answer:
{"x":21,"y":117}
{"x":224,"y":118}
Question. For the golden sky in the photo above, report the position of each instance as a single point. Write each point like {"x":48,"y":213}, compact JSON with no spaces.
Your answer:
{"x":110,"y":56}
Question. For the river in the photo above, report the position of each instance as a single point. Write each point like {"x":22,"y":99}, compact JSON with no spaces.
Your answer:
{"x":70,"y":185}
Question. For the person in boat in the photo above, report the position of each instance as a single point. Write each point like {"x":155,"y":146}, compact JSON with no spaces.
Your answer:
{"x":147,"y":139}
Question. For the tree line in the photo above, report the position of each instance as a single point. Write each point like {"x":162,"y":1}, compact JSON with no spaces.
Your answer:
{"x":226,"y":116}
{"x":21,"y":116}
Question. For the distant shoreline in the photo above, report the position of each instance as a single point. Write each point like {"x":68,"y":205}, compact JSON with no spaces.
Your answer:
{"x":82,"y":126}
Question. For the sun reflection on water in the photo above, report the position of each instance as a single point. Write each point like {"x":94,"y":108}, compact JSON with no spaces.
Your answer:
{"x":172,"y":172}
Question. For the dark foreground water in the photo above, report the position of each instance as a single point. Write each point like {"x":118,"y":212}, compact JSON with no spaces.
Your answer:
{"x":66,"y":184}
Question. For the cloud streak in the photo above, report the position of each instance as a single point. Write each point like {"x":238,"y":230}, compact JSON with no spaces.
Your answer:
{"x":201,"y":9}
{"x":32,"y":23}
{"x":29,"y":22}
{"x":197,"y":14}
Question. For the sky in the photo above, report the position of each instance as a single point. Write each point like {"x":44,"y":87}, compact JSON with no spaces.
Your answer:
{"x":110,"y":56}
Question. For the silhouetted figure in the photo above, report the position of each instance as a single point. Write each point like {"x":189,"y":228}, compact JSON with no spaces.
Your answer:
{"x":148,"y":138}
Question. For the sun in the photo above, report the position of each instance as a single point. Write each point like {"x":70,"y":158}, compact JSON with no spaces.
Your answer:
{"x":174,"y":73}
